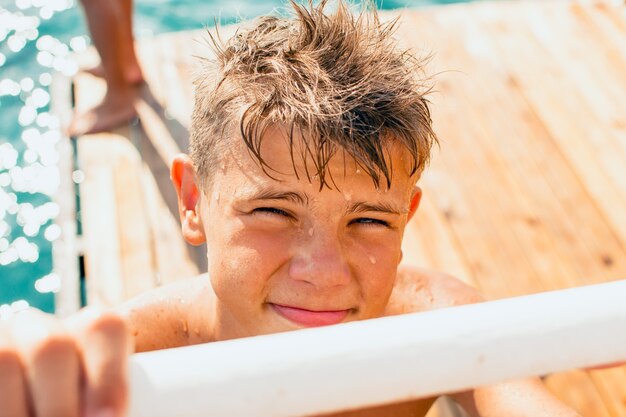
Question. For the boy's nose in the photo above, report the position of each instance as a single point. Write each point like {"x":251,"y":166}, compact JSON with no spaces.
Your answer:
{"x":320,"y":261}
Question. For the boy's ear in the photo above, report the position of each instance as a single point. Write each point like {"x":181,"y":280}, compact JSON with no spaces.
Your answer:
{"x":416,"y":197}
{"x":183,"y":177}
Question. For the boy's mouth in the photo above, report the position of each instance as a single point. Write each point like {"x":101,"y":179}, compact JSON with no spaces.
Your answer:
{"x":309,"y":318}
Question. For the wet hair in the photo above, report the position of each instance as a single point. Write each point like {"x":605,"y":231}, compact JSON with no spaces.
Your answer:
{"x":336,"y":79}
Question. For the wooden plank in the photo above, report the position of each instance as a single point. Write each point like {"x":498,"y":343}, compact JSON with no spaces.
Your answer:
{"x":611,"y":385}
{"x":117,"y":247}
{"x":103,"y":258}
{"x":481,"y":212}
{"x":187,"y":64}
{"x":135,"y":234}
{"x":576,"y":389}
{"x":118,"y":241}
{"x":153,"y":123}
{"x":571,"y":123}
{"x":88,"y":91}
{"x":603,"y":99}
{"x":588,"y":245}
{"x":178,"y":105}
{"x":429,"y":242}
{"x":149,"y":56}
{"x":171,"y":255}
{"x":604,"y":63}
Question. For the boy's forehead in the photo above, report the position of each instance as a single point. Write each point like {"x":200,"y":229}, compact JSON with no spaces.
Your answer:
{"x":283,"y":158}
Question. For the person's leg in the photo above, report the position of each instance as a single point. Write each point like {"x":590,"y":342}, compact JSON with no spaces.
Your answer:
{"x":105,"y":18}
{"x":129,"y":63}
{"x":132,"y":70}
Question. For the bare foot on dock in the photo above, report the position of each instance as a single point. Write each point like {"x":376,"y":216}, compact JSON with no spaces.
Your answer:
{"x":111,"y":113}
{"x":132,"y":76}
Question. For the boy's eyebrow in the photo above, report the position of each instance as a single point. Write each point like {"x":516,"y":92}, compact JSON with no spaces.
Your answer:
{"x":303,"y":199}
{"x":382,"y":207}
{"x":269,"y":194}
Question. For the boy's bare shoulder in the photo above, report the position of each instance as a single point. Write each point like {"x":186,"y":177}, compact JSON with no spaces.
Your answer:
{"x":177,"y":314}
{"x":419,"y":289}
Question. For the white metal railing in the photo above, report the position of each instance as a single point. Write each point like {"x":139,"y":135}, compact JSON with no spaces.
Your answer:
{"x":384,"y":360}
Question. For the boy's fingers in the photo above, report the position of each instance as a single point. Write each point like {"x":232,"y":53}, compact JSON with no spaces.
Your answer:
{"x":52,"y":363}
{"x":106,"y":345}
{"x":12,"y":384}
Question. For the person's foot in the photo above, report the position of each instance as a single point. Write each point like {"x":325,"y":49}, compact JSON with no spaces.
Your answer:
{"x":132,"y":76}
{"x":114,"y":111}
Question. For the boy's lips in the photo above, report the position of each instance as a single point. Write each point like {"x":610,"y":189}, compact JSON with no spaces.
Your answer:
{"x":309,"y":318}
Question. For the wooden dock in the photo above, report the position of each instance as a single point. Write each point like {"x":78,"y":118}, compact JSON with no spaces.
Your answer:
{"x":526,"y":194}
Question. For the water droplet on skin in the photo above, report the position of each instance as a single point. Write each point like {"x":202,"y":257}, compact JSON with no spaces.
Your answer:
{"x":372,"y":260}
{"x":311,"y":231}
{"x":358,"y":171}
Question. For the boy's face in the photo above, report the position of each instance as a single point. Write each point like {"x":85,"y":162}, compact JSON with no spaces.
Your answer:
{"x":283,"y":254}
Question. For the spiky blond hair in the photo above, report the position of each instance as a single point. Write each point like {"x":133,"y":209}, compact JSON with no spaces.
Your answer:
{"x":336,"y":79}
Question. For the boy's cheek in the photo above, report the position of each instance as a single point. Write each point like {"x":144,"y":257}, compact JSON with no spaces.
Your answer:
{"x":377,"y":250}
{"x":246,"y":259}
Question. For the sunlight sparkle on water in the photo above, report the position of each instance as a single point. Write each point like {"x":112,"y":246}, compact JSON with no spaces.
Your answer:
{"x":29,"y":173}
{"x":8,"y":156}
{"x":48,"y":283}
{"x":45,"y":79}
{"x":28,"y":114}
{"x":78,"y":43}
{"x":55,"y":54}
{"x":20,"y":249}
{"x":27,"y":84}
{"x":53,"y":232}
{"x":9,"y":88}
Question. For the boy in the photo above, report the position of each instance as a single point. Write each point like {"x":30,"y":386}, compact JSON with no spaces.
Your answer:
{"x":306,"y":146}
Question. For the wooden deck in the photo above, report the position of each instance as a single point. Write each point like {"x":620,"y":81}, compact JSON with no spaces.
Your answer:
{"x":526,"y":194}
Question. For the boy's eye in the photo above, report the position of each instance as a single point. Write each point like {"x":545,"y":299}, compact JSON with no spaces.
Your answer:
{"x":271,"y":210}
{"x":370,"y":221}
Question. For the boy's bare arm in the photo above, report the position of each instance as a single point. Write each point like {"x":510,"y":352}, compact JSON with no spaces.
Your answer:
{"x":521,"y":398}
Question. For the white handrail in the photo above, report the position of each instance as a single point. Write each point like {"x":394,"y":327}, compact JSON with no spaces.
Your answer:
{"x":384,"y":360}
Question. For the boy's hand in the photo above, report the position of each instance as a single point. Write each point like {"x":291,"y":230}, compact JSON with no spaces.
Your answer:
{"x":71,"y":368}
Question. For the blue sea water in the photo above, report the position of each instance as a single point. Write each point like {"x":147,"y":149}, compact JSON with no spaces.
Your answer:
{"x":37,"y":38}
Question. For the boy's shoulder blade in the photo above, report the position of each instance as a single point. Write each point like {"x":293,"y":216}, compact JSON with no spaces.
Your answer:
{"x":419,"y":289}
